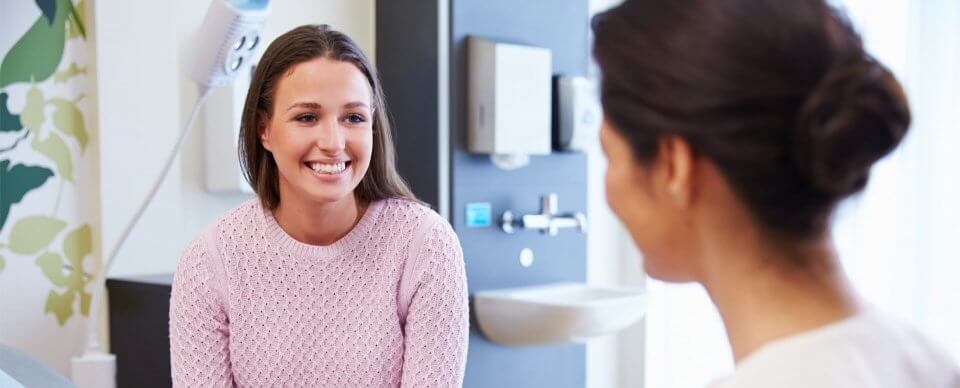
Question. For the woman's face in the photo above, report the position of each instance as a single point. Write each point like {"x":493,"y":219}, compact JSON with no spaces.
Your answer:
{"x":321,"y":130}
{"x":638,"y":195}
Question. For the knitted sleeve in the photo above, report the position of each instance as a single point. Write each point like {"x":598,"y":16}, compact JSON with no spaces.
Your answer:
{"x":199,"y":331}
{"x":437,"y":321}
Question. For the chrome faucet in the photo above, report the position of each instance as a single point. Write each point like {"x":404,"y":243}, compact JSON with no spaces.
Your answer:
{"x":547,"y":222}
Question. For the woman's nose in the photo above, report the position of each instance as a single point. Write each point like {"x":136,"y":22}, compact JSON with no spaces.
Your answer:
{"x":329,"y":136}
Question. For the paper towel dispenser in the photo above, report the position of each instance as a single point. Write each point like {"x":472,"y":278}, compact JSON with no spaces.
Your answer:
{"x":509,"y":98}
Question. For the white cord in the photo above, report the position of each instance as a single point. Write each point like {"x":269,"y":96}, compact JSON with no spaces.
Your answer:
{"x":93,"y":345}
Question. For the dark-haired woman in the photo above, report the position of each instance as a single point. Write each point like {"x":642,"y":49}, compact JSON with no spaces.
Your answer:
{"x":334,"y":276}
{"x":733,"y":128}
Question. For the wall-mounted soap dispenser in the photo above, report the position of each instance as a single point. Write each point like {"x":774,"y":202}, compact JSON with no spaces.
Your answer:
{"x":578,"y":114}
{"x":509,"y":94}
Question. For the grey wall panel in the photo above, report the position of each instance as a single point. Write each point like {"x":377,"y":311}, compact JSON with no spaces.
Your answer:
{"x":410,"y":35}
{"x":491,"y":255}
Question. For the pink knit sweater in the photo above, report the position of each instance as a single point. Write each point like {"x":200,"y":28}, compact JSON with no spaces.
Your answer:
{"x":384,"y":306}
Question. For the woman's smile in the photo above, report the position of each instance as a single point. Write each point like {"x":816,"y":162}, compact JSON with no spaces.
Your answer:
{"x":329,"y":171}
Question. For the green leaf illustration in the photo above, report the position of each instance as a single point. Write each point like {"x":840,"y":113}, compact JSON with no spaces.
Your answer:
{"x":85,"y":298}
{"x":57,"y":151}
{"x":69,"y":120}
{"x":61,"y":305}
{"x":9,"y":122}
{"x":16,"y":182}
{"x":73,"y":30}
{"x":32,"y":115}
{"x":2,"y":264}
{"x":37,"y":54}
{"x":52,"y":266}
{"x":65,"y":75}
{"x":31,"y":234}
{"x":77,"y":244}
{"x":48,"y":8}
{"x":75,"y":21}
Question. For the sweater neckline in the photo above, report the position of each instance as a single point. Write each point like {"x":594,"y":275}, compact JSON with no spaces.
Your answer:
{"x":353,"y":238}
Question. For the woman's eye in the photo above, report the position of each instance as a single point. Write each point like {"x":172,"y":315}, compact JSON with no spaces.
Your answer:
{"x":306,"y":118}
{"x":355,"y":119}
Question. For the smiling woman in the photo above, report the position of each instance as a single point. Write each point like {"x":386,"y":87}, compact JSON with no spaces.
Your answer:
{"x":335,"y":275}
{"x":321,"y":139}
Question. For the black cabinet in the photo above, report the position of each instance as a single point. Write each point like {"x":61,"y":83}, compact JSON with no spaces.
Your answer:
{"x":139,"y":333}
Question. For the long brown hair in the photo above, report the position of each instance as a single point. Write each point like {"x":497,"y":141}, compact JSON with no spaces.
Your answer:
{"x":779,"y":95}
{"x":300,"y":45}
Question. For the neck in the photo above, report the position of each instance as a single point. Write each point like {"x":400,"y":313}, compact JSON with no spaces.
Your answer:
{"x":763,"y":297}
{"x":318,"y":223}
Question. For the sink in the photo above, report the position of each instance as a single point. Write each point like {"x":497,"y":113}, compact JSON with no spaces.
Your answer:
{"x":556,"y":313}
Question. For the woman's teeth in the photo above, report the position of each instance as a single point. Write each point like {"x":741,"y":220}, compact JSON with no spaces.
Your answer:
{"x":324,"y":168}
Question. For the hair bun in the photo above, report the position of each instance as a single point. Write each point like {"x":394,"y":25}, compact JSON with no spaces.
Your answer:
{"x":855,"y":115}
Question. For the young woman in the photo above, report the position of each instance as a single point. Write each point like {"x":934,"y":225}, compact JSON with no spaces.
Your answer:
{"x":732,"y":130}
{"x":334,"y":276}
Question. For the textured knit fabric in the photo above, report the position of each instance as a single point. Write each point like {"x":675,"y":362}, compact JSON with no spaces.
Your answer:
{"x":384,"y":306}
{"x":869,"y":350}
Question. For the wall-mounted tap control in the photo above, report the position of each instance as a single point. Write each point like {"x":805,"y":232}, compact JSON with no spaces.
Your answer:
{"x":549,"y":221}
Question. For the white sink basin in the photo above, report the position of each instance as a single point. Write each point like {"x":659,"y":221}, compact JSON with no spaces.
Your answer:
{"x":556,"y":313}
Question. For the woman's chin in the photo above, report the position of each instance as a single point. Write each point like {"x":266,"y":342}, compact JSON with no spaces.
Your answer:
{"x":327,"y":188}
{"x":328,"y":195}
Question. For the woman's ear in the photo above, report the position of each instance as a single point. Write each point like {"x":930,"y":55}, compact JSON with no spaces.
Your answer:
{"x":263,"y":132}
{"x":679,"y":163}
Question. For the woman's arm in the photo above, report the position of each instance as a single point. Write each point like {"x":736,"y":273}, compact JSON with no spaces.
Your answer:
{"x":437,"y":320}
{"x":199,"y":333}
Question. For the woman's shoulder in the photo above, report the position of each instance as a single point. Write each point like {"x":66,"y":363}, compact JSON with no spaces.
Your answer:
{"x":406,"y":206}
{"x":411,"y":216}
{"x":243,"y":217}
{"x":928,"y":361}
{"x":203,"y":260}
{"x":871,"y":349}
{"x":237,"y":222}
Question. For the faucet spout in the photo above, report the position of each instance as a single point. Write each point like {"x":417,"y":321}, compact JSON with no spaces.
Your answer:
{"x":549,"y":221}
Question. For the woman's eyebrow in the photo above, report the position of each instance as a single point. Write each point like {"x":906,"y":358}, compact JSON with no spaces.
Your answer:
{"x":309,"y":105}
{"x":355,"y":104}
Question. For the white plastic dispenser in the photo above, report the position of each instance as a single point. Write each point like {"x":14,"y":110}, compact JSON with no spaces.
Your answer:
{"x":509,"y":98}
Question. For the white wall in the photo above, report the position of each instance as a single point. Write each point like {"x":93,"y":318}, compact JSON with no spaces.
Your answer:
{"x":899,"y":238}
{"x":137,"y":99}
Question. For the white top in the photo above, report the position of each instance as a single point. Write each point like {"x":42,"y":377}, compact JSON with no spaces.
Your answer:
{"x":867,"y":350}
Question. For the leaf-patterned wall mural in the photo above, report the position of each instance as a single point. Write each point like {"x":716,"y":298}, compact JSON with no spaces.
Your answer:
{"x":43,"y":149}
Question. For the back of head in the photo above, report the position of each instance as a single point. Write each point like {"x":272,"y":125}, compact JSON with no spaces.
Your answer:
{"x":779,"y":95}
